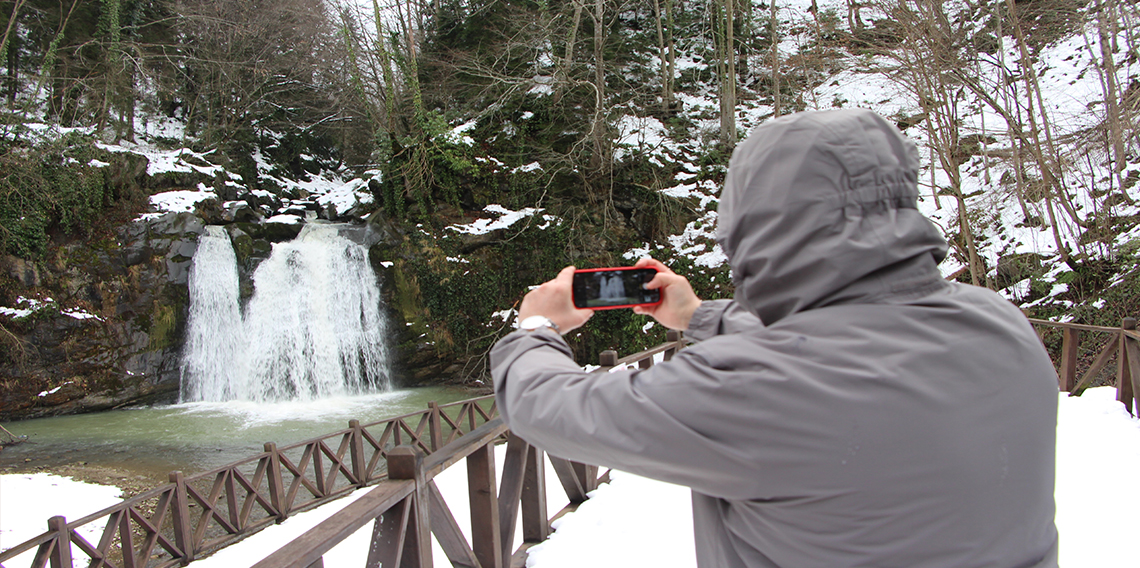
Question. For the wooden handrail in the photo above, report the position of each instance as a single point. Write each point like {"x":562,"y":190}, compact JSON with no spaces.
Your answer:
{"x":233,"y":501}
{"x":493,"y":512}
{"x":1121,"y":343}
{"x":463,"y":447}
{"x":302,"y":551}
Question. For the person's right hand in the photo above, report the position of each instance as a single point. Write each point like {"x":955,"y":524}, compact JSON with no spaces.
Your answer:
{"x":678,"y":301}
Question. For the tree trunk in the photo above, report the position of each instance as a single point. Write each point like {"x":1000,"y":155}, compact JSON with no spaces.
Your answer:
{"x":385,"y":69}
{"x":601,"y":159}
{"x":1106,"y":26}
{"x":727,"y":71}
{"x":10,"y":52}
{"x":775,"y":32}
{"x":562,"y":73}
{"x":1043,"y":166}
{"x":854,"y":19}
{"x":665,"y":47}
{"x":671,"y":72}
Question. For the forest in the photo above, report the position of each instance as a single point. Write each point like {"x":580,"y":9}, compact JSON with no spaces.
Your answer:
{"x":615,"y":118}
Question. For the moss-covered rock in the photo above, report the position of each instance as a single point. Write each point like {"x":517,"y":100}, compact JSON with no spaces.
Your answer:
{"x":112,"y":332}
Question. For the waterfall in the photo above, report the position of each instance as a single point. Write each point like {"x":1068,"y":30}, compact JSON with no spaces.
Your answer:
{"x":214,"y":338}
{"x":312,"y":329}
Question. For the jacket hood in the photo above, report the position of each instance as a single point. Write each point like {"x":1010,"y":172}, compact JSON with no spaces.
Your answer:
{"x":820,"y":208}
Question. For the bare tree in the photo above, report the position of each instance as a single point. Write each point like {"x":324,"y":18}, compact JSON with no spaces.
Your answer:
{"x":724,"y":19}
{"x":667,"y":51}
{"x":774,"y":27}
{"x":930,"y":47}
{"x":1107,"y":31}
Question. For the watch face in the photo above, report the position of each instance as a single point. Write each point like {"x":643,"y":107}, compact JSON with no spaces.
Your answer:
{"x":534,"y":322}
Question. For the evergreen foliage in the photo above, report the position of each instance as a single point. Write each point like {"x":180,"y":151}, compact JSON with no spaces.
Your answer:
{"x":52,"y":188}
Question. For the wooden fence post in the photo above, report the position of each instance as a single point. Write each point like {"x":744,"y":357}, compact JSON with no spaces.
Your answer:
{"x":535,"y":524}
{"x":1127,"y":386}
{"x":571,"y":483}
{"x":435,"y":430}
{"x":61,"y":556}
{"x":181,"y":518}
{"x":608,"y":358}
{"x":1070,"y":343}
{"x":510,"y":491}
{"x":276,"y":482}
{"x":356,"y":451}
{"x":407,"y":462}
{"x":587,"y":476}
{"x":485,"y":522}
{"x":673,"y":336}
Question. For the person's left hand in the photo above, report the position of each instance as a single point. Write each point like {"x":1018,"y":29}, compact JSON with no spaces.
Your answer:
{"x":554,"y":299}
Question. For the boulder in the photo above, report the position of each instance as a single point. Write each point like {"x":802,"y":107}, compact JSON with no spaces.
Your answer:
{"x":23,"y":271}
{"x":242,"y":242}
{"x":239,"y":212}
{"x":283,"y":227}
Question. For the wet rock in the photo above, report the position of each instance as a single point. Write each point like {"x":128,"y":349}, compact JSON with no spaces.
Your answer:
{"x":177,"y":224}
{"x":179,"y":257}
{"x":210,"y":211}
{"x":239,"y":212}
{"x":242,"y":242}
{"x":23,"y":271}
{"x":253,"y":229}
{"x":283,"y":227}
{"x":294,"y":210}
{"x":262,"y":248}
{"x":470,"y":243}
{"x":64,"y":393}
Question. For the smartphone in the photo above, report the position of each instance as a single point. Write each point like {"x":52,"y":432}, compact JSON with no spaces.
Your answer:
{"x":609,"y":288}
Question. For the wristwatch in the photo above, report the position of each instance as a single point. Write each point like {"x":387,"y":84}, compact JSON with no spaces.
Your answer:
{"x":535,"y":322}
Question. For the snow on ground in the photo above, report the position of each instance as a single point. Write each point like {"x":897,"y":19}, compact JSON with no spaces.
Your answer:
{"x":29,"y":306}
{"x":28,"y":500}
{"x":178,"y":201}
{"x":505,"y":219}
{"x":348,"y":195}
{"x":634,"y":521}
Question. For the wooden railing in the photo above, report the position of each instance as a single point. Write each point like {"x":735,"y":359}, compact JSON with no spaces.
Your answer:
{"x":194,"y":516}
{"x":1121,"y":343}
{"x":408,"y":508}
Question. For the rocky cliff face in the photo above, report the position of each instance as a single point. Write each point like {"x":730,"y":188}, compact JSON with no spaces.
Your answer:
{"x":99,"y":322}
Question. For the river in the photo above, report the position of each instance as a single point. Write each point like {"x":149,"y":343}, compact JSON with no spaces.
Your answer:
{"x":199,"y":436}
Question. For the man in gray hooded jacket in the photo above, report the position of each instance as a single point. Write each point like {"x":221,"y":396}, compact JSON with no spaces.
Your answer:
{"x":848,"y":407}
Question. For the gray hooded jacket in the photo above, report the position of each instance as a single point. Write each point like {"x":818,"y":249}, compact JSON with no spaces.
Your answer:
{"x":878,"y":416}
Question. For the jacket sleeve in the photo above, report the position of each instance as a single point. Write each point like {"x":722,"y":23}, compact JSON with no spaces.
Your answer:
{"x":619,"y":419}
{"x":720,"y":317}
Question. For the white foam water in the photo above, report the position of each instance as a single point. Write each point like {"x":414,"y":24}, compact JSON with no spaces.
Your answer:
{"x":214,"y":332}
{"x":313,"y":328}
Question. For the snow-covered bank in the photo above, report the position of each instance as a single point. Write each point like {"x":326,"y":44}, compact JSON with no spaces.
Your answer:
{"x":635,"y":521}
{"x":27,"y":501}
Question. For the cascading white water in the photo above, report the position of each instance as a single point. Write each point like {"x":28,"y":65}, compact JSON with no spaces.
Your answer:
{"x":312,"y":329}
{"x":214,"y":338}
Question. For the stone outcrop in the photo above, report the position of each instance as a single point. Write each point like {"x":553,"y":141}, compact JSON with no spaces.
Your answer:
{"x":107,"y":326}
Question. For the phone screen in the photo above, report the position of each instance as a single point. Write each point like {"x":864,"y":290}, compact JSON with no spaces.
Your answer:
{"x":607,"y":288}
